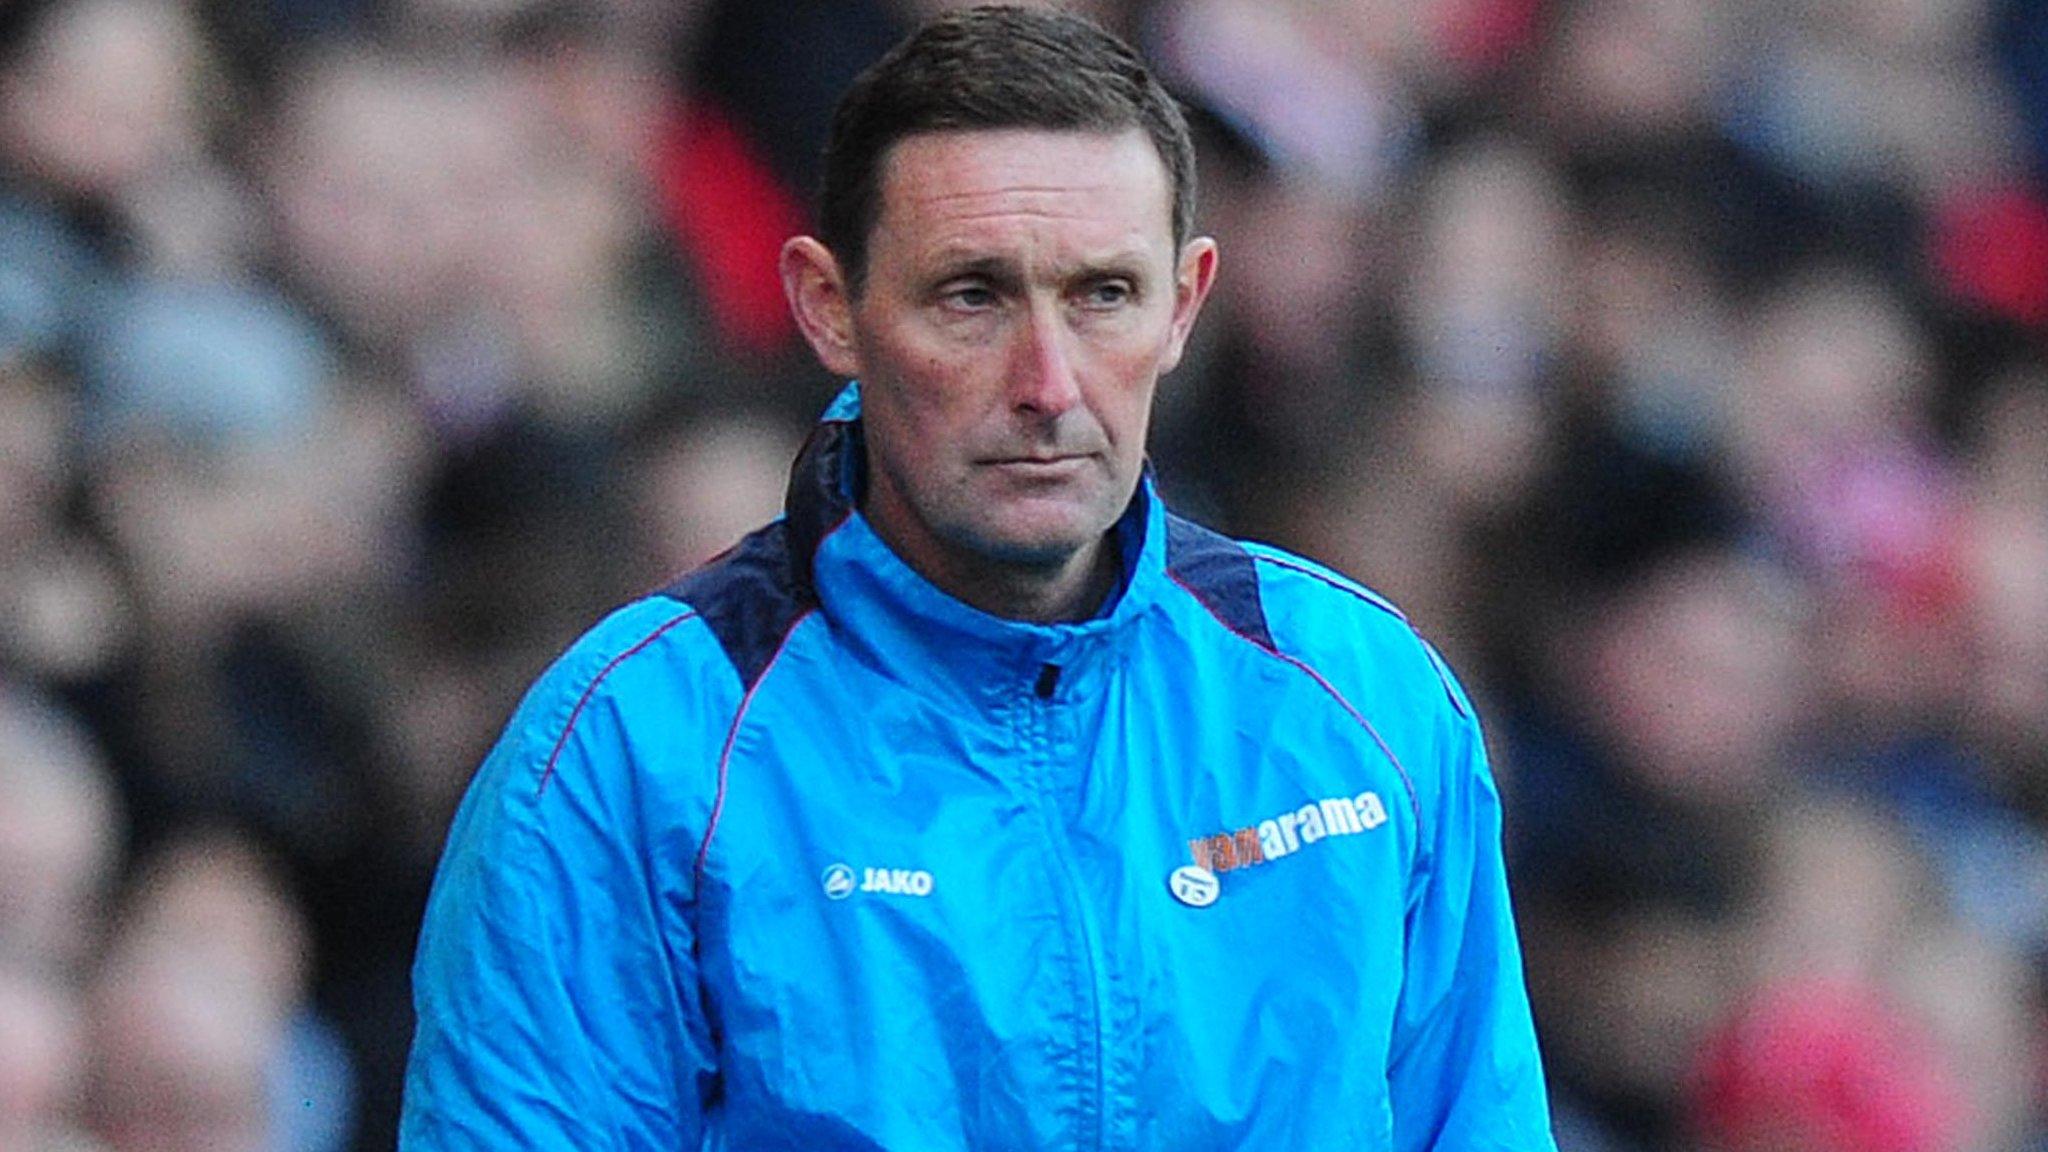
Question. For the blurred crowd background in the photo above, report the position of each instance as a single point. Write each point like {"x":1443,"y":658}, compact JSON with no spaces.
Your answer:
{"x":1680,"y":366}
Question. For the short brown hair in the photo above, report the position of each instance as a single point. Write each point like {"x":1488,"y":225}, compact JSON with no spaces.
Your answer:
{"x":992,"y":67}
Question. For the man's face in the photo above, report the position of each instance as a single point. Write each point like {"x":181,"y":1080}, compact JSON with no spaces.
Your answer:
{"x":1022,"y":298}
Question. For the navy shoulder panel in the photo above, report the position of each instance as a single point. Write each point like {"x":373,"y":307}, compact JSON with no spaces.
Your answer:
{"x":1329,"y":576}
{"x":1221,"y":574}
{"x":1366,"y":596}
{"x":747,"y":599}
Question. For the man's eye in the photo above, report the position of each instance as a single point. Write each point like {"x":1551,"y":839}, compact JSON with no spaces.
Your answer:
{"x":1108,"y":294}
{"x":970,"y":297}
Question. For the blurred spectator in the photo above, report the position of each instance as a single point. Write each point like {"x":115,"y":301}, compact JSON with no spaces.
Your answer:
{"x":103,"y":115}
{"x":1642,"y":775}
{"x":59,"y":839}
{"x":1481,"y":319}
{"x":1636,"y":75}
{"x":1831,"y":433}
{"x":202,"y":1036}
{"x":63,"y":615}
{"x":461,"y":240}
{"x":100,"y":97}
{"x":59,"y":835}
{"x":1304,"y":82}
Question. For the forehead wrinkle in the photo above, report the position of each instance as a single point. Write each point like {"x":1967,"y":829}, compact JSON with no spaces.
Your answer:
{"x":1007,"y":189}
{"x":1036,"y":230}
{"x":969,"y":257}
{"x":982,"y":206}
{"x":1012,"y":231}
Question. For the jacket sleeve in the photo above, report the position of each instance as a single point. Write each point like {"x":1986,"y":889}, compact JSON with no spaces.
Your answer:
{"x":554,"y":983}
{"x":1465,"y":1074}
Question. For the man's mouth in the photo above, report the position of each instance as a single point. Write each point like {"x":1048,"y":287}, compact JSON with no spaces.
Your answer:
{"x":1048,"y":467}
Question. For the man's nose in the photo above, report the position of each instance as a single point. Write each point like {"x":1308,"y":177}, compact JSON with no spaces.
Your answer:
{"x":1042,"y":376}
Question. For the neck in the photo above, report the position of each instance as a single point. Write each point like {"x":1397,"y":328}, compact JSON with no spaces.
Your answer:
{"x":1071,"y":591}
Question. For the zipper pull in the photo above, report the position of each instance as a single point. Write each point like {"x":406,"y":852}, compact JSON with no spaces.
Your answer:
{"x":1048,"y":679}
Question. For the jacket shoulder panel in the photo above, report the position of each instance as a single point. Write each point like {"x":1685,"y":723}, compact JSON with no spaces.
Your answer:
{"x":750,"y":596}
{"x":1319,"y":598}
{"x":1220,"y":574}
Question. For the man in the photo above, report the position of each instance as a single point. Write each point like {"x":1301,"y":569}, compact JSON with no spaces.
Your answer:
{"x":980,"y":802}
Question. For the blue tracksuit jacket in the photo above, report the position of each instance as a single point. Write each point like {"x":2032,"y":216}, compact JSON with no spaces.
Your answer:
{"x":803,"y":854}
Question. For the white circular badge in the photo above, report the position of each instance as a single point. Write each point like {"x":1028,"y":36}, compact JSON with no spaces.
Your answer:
{"x":1194,"y":885}
{"x":838,"y":882}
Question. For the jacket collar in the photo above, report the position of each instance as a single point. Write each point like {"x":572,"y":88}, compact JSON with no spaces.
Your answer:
{"x":902,"y":622}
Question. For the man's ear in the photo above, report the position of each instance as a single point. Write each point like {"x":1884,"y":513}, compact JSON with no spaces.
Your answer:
{"x":822,"y":303}
{"x":1191,"y":283}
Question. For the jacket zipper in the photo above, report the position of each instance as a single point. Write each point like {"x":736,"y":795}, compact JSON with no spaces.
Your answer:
{"x":1042,"y":690}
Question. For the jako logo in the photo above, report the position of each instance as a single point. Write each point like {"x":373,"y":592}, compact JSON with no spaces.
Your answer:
{"x":897,"y":881}
{"x":838,"y":882}
{"x":1287,"y":832}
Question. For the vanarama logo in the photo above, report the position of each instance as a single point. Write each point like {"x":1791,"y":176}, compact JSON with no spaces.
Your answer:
{"x":1286,"y":833}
